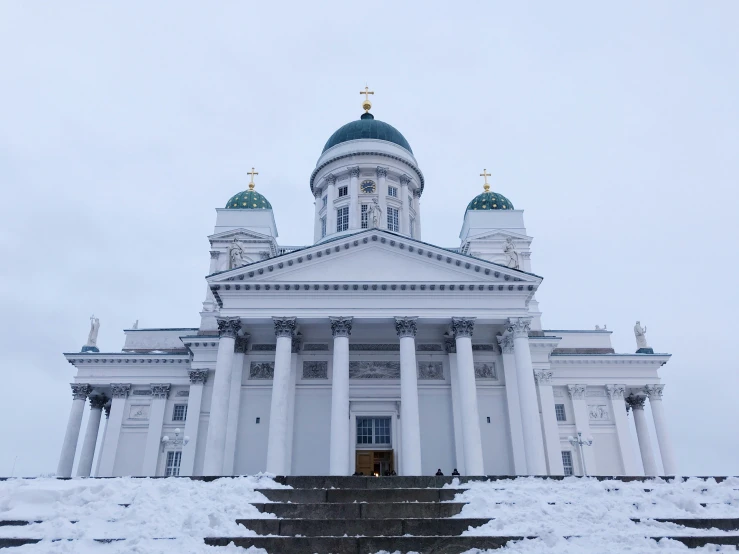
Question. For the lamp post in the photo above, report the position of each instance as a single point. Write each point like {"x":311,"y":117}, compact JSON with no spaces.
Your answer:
{"x":579,"y":443}
{"x":176,"y":441}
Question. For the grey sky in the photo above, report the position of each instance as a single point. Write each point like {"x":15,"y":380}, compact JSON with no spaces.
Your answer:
{"x":614,"y":126}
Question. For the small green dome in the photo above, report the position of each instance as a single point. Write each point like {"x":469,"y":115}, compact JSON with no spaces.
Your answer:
{"x":248,"y":200}
{"x":490,"y":201}
{"x":367,"y":128}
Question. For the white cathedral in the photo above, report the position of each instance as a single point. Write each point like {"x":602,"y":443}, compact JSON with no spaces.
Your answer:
{"x":368,"y":352}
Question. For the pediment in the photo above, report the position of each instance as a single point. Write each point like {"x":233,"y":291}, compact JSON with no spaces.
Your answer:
{"x":375,"y":256}
{"x":500,"y":234}
{"x":240,"y":234}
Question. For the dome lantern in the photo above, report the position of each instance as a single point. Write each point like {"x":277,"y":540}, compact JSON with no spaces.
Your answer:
{"x":489,"y":200}
{"x":249,"y":199}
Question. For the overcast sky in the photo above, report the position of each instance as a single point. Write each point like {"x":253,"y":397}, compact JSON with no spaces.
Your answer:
{"x":614,"y":126}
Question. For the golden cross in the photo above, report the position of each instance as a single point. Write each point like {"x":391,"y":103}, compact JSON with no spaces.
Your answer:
{"x":366,"y":93}
{"x":485,"y":174}
{"x":251,"y":173}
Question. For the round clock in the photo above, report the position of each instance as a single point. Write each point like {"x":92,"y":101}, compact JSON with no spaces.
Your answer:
{"x":367,"y":186}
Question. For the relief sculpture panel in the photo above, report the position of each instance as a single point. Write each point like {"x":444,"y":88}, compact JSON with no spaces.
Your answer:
{"x":375,"y":369}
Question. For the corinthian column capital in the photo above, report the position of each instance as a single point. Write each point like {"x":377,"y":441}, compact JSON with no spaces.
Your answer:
{"x":284,"y":326}
{"x":228,"y":327}
{"x":616,"y":391}
{"x":381,"y":171}
{"x":241,"y":344}
{"x":463,"y":327}
{"x":635,"y":402}
{"x":330,"y":179}
{"x":98,"y":401}
{"x":506,"y":343}
{"x":404,"y":179}
{"x":576,"y":391}
{"x":160,"y":390}
{"x":654,"y":392}
{"x":198,"y":376}
{"x":543,"y":377}
{"x":214,"y":254}
{"x":341,"y":326}
{"x":519,"y":326}
{"x":354,"y":172}
{"x":80,"y":391}
{"x":119,"y":390}
{"x":406,"y":326}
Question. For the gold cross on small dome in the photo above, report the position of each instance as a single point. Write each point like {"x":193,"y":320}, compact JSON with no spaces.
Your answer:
{"x":486,"y":175}
{"x":251,"y":174}
{"x":366,"y":105}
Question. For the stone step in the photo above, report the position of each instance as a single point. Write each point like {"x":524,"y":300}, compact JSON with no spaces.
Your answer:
{"x":315,"y":496}
{"x":725,"y":524}
{"x":361,"y":527}
{"x":363,"y":510}
{"x":363,"y":545}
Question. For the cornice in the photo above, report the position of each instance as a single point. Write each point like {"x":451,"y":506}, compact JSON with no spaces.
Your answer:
{"x":79,"y":358}
{"x":608,"y":359}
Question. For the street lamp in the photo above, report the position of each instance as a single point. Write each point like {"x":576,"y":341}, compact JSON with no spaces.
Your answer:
{"x":579,"y":443}
{"x":176,"y":441}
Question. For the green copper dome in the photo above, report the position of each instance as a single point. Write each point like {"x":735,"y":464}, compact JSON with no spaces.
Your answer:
{"x":248,"y":200}
{"x":490,"y":201}
{"x":367,"y":128}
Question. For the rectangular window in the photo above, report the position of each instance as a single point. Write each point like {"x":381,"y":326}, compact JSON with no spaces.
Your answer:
{"x":373,"y":430}
{"x":325,"y":201}
{"x":392,"y":191}
{"x":393,"y":221}
{"x":567,"y":462}
{"x":173,"y":463}
{"x":323,"y":227}
{"x":180,"y":412}
{"x":343,"y":191}
{"x":559,"y":409}
{"x":365,"y":216}
{"x":342,"y":219}
{"x":412,"y":224}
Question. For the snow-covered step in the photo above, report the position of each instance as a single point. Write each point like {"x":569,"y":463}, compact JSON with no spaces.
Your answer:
{"x":315,"y":496}
{"x":366,"y":527}
{"x":362,"y":510}
{"x":724,"y":524}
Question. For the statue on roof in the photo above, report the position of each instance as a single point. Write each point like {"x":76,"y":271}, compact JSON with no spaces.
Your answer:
{"x":236,"y":255}
{"x":511,"y":254}
{"x":92,"y":336}
{"x":641,"y":336}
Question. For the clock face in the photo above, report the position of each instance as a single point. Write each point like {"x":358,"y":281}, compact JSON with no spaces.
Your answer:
{"x":368,"y":186}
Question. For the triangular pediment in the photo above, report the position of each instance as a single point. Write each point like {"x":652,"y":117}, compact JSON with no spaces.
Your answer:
{"x":499,"y":234}
{"x":240,"y":234}
{"x":377,"y":256}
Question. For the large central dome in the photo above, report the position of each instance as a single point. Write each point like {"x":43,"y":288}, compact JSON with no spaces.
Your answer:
{"x":367,"y":128}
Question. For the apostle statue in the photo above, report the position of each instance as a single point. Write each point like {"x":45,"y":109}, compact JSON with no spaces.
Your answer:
{"x":510,"y":254}
{"x":374,"y":214}
{"x":640,"y":333}
{"x":92,"y":337}
{"x":236,"y":255}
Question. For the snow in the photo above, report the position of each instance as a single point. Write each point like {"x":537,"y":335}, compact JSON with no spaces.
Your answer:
{"x":167,"y":516}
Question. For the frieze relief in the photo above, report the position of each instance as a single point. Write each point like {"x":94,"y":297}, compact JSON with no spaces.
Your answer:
{"x":375,"y":369}
{"x":315,"y":370}
{"x":262,"y":370}
{"x":430,"y":371}
{"x":485,"y":370}
{"x":139,"y":411}
{"x":598,"y":412}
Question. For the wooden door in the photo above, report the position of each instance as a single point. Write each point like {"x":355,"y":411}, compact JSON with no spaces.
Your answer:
{"x":365,"y":460}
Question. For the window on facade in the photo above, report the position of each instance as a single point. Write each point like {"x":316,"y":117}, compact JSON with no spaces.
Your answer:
{"x":365,"y":216}
{"x":393,"y":221}
{"x":412,"y":224}
{"x":173,"y":463}
{"x":323,"y":227}
{"x":559,"y":409}
{"x":343,"y":191}
{"x":392,"y":191}
{"x":325,"y":201}
{"x":342,"y":219}
{"x":373,"y":430}
{"x":567,"y":462}
{"x":180,"y":412}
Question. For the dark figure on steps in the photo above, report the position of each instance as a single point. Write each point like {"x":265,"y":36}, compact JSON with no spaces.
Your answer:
{"x":439,"y":473}
{"x":455,"y":472}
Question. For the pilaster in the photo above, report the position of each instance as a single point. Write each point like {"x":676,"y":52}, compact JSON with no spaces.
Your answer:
{"x":382,"y":194}
{"x":119,"y":393}
{"x":159,"y":395}
{"x":582,"y":424}
{"x":198,"y":378}
{"x":618,"y":408}
{"x":543,"y":380}
{"x":354,"y":216}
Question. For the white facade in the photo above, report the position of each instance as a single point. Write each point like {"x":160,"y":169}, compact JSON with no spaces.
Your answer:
{"x":304,"y":365}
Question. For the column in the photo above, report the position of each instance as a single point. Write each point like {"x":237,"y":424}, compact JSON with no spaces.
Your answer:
{"x":84,"y":466}
{"x":405,"y":209}
{"x":198,"y":378}
{"x":106,"y":410}
{"x":620,"y":418}
{"x":450,"y":346}
{"x":462,"y":329}
{"x":354,"y":217}
{"x":341,"y":328}
{"x":654,"y":393}
{"x":278,"y":412}
{"x":215,"y":444}
{"x":159,"y":395}
{"x":582,"y":425}
{"x":382,"y":194}
{"x":636,"y":403}
{"x":234,"y":403}
{"x":410,"y":425}
{"x":318,"y":204}
{"x":69,"y":446}
{"x":119,"y":393}
{"x":297,"y":344}
{"x":549,"y":422}
{"x":530,"y":419}
{"x":514,"y":404}
{"x":330,"y":209}
{"x":417,"y":202}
